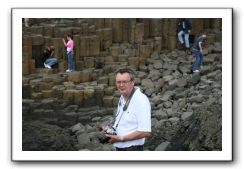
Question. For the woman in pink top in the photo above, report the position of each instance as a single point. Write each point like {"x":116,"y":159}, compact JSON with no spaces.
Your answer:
{"x":70,"y":53}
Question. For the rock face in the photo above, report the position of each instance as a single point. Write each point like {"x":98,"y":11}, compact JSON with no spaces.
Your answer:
{"x":39,"y":136}
{"x":64,"y":111}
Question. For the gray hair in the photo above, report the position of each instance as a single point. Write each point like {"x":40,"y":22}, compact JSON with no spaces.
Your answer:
{"x":127,"y":70}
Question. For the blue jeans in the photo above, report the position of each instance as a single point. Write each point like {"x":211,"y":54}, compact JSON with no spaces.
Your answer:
{"x":198,"y":62}
{"x":71,"y":64}
{"x":186,"y":38}
{"x":51,"y":61}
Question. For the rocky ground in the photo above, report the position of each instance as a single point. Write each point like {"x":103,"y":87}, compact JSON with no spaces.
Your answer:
{"x":64,"y":114}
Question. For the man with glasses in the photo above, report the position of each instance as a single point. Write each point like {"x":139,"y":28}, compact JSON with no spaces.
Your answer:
{"x":133,"y":117}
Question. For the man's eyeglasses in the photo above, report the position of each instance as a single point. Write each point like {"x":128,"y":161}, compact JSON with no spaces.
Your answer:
{"x":123,"y":82}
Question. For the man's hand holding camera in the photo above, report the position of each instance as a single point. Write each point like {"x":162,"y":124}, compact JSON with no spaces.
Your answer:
{"x":104,"y":131}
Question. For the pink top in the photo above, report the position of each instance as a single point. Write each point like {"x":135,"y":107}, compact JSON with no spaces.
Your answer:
{"x":70,"y":45}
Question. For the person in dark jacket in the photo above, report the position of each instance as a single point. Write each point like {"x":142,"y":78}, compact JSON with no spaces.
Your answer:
{"x":185,"y":29}
{"x":197,"y":48}
{"x":49,"y":59}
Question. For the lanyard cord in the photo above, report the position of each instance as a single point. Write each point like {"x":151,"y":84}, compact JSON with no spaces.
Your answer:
{"x":124,"y":108}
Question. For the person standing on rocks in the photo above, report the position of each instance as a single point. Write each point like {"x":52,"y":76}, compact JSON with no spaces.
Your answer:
{"x":133,"y":118}
{"x":26,"y":22}
{"x":48,"y":57}
{"x":70,"y":53}
{"x":197,"y":48}
{"x":185,"y":29}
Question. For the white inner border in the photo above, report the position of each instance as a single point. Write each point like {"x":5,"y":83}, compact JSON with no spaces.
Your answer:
{"x":224,"y":155}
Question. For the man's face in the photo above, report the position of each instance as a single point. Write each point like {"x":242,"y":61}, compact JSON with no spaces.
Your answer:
{"x":124,"y":84}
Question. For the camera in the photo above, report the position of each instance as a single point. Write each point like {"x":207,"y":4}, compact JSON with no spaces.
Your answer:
{"x":106,"y":130}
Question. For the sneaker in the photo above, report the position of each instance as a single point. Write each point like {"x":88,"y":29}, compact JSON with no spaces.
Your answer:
{"x":181,"y":46}
{"x":45,"y":65}
{"x":68,"y":70}
{"x":195,"y":71}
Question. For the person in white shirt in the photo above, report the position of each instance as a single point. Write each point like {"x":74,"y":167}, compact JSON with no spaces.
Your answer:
{"x":133,"y":118}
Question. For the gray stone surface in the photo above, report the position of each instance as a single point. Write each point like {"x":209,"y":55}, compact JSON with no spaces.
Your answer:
{"x":64,"y":111}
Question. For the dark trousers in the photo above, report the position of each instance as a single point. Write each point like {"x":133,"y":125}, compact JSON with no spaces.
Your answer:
{"x":132,"y":148}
